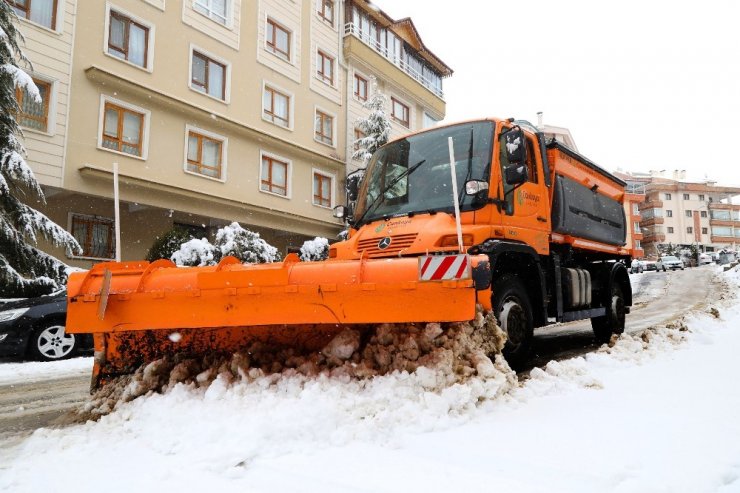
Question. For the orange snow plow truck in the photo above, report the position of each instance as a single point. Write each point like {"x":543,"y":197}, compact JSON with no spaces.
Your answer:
{"x":478,"y":213}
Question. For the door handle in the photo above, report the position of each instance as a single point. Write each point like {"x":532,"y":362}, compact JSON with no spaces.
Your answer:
{"x":542,"y":219}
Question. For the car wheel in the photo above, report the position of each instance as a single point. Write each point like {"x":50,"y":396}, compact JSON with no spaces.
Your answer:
{"x":51,"y":343}
{"x":514,"y":313}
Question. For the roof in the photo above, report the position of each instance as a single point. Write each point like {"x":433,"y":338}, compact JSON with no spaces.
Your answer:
{"x":407,"y":31}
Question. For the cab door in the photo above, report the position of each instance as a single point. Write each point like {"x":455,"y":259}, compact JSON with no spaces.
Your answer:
{"x":525,"y":214}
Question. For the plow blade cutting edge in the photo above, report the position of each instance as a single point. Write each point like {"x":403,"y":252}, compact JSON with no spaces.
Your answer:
{"x":141,"y":311}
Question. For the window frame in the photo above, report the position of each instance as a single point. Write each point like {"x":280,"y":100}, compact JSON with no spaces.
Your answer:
{"x":205,"y":134}
{"x":686,"y":196}
{"x":668,"y":196}
{"x":406,"y":123}
{"x":323,"y":56}
{"x":143,"y":133}
{"x":703,"y":214}
{"x":196,"y":6}
{"x":271,"y":45}
{"x":689,"y":213}
{"x":668,"y":213}
{"x":209,"y":57}
{"x":357,"y":77}
{"x":48,"y":117}
{"x":55,"y":17}
{"x":288,"y":175}
{"x":317,"y":137}
{"x":322,"y":11}
{"x":689,"y":230}
{"x":148,"y":46}
{"x":331,"y":177}
{"x":669,"y":230}
{"x":100,"y":219}
{"x":276,"y":89}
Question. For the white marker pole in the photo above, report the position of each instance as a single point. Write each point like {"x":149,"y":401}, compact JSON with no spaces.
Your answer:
{"x":454,"y":193}
{"x":117,"y":212}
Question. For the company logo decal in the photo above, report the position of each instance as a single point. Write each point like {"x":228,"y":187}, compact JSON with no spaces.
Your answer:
{"x":384,"y":243}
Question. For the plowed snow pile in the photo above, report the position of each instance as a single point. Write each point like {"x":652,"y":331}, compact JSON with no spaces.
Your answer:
{"x":430,"y":359}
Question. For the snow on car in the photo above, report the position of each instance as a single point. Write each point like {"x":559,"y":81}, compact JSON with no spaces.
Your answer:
{"x":669,"y":262}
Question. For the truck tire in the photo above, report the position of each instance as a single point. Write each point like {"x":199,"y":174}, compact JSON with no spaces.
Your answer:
{"x":613,"y":321}
{"x":513,"y":311}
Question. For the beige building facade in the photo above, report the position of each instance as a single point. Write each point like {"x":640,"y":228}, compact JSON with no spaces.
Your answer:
{"x":212,"y":111}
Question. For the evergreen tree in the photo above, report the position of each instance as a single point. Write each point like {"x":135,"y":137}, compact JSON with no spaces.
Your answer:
{"x":24,"y":269}
{"x":232,"y":240}
{"x":376,"y":126}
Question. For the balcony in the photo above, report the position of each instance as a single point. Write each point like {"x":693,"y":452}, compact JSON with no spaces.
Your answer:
{"x":651,"y":222}
{"x":359,"y":44}
{"x":651,"y":204}
{"x":653,"y":234}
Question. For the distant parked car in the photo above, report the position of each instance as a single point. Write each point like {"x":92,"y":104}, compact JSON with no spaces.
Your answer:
{"x":649,"y":265}
{"x":33,"y":328}
{"x":669,"y":262}
{"x":704,"y":259}
{"x":637,"y":266}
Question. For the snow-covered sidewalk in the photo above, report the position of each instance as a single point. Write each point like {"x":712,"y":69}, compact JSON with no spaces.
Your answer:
{"x":652,"y":414}
{"x":34,"y":371}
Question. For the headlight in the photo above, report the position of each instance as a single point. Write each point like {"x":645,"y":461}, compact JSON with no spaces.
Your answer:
{"x":8,"y":315}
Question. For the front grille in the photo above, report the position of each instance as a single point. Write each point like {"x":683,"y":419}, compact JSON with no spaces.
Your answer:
{"x":398,"y":243}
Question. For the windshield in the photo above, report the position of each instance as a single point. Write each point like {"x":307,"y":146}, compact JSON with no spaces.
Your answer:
{"x":413,"y":175}
{"x":670,"y":259}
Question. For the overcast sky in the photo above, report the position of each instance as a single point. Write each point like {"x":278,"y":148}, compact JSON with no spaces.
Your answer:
{"x":641,"y":85}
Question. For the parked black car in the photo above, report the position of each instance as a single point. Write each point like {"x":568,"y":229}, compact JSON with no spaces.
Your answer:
{"x":33,"y":328}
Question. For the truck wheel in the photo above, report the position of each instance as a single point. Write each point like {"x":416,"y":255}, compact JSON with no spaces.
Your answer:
{"x":613,"y":322}
{"x":512,"y":308}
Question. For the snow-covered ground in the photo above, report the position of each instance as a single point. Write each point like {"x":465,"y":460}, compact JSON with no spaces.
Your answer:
{"x":34,"y":371}
{"x":657,"y":413}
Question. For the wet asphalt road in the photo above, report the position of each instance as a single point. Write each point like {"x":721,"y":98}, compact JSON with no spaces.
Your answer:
{"x":661,"y":297}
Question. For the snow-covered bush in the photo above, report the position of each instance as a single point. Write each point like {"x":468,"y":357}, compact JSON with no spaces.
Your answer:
{"x":316,"y":249}
{"x":196,"y":253}
{"x":24,"y":269}
{"x":232,"y":240}
{"x":245,"y":245}
{"x":167,"y":244}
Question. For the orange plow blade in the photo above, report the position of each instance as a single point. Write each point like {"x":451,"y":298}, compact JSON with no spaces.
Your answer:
{"x":140,"y":311}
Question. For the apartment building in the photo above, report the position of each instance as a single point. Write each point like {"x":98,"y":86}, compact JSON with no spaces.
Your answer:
{"x":392,"y":52}
{"x":213,"y":111}
{"x":683,"y":213}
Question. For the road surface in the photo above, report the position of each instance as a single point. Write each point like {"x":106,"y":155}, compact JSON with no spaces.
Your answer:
{"x":661,"y":297}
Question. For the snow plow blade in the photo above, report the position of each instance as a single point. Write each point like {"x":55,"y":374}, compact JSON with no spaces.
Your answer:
{"x":141,"y":311}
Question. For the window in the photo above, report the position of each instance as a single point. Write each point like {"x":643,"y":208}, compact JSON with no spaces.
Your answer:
{"x":668,"y":196}
{"x":274,"y":176}
{"x":429,"y":121}
{"x":94,"y":234}
{"x":701,"y":198}
{"x":670,"y":229}
{"x":703,"y":213}
{"x":214,"y":9}
{"x":637,"y":227}
{"x":325,"y":67}
{"x":686,"y":196}
{"x":277,"y":40}
{"x":123,"y":129}
{"x":688,"y":213}
{"x":208,"y":76}
{"x":400,"y":112}
{"x":689,"y":230}
{"x":635,"y":209}
{"x":276,"y":107}
{"x":668,"y":213}
{"x":638,"y":245}
{"x":43,"y":12}
{"x":322,"y":189}
{"x":704,"y":231}
{"x":204,"y":155}
{"x":359,"y":134}
{"x":721,"y":230}
{"x":324,"y":128}
{"x":34,"y":114}
{"x":326,"y":11}
{"x":360,"y":87}
{"x":127,"y":39}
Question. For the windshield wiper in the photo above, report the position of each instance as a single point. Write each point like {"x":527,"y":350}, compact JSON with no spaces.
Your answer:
{"x":376,"y":201}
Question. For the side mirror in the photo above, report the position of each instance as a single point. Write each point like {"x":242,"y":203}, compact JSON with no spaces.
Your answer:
{"x":516,"y":147}
{"x":341,"y":212}
{"x":477,"y":188}
{"x":516,"y":174}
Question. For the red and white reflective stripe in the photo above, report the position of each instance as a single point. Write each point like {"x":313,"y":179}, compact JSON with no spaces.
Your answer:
{"x":444,"y":267}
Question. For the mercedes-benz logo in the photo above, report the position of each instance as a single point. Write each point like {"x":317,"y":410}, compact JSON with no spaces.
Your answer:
{"x":384,"y":243}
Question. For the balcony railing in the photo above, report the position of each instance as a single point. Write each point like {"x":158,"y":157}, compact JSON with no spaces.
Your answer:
{"x":351,"y":29}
